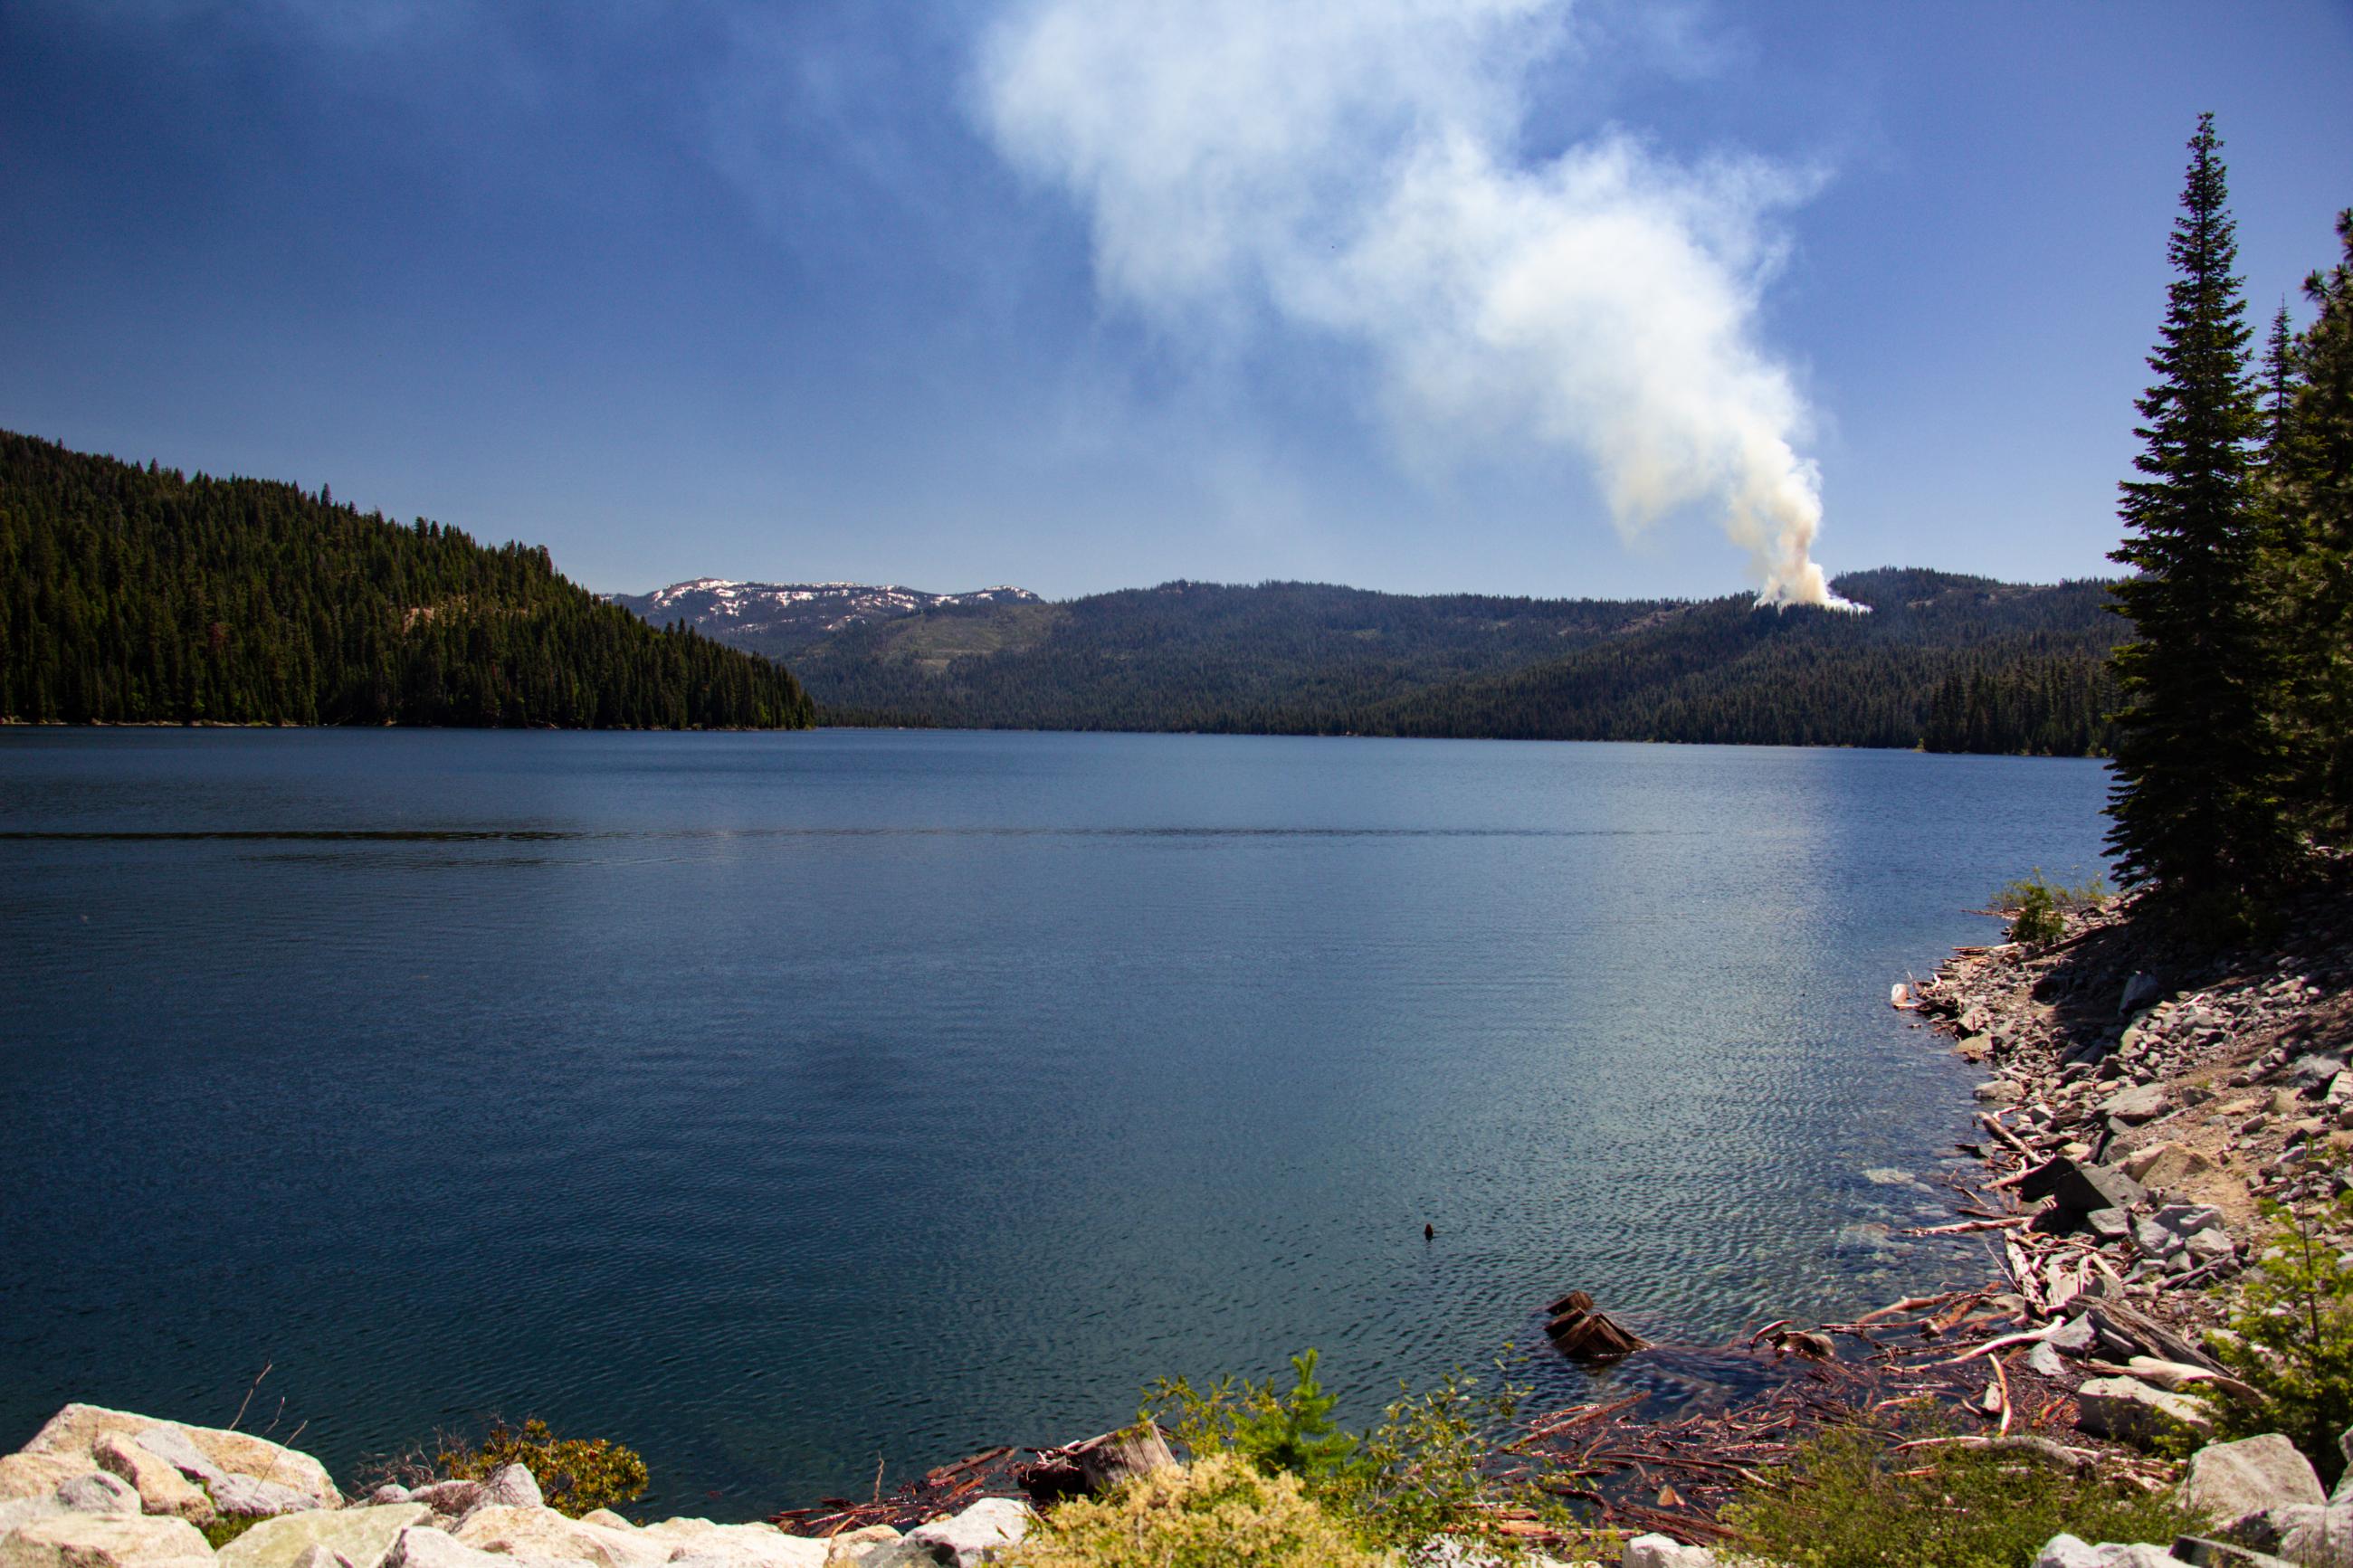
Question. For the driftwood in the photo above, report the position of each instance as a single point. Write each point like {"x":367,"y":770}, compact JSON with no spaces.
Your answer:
{"x":2147,"y":1336}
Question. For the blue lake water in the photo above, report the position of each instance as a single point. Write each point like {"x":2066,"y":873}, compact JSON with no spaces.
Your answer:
{"x":777,"y":1102}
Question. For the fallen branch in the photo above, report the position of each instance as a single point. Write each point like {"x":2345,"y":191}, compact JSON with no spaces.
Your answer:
{"x":1965,"y":1226}
{"x":2003,"y":1343}
{"x":1993,"y":1125}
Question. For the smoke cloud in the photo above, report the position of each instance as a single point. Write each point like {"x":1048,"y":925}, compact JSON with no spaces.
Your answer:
{"x":1347,"y":166}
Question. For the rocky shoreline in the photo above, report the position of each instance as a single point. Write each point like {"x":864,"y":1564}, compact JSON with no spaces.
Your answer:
{"x":2143,"y":1096}
{"x":109,"y":1488}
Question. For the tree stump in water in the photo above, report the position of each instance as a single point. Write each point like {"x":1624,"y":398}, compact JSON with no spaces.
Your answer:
{"x":1580,"y":1333}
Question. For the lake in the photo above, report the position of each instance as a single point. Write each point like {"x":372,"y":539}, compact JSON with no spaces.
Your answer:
{"x":782,"y":1104}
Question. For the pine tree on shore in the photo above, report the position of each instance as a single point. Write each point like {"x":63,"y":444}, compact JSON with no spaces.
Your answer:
{"x":2196,"y":806}
{"x":2313,"y":464}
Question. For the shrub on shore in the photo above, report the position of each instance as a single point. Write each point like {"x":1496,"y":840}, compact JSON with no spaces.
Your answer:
{"x":1420,"y":1473}
{"x":1221,"y":1510}
{"x":2291,"y":1336}
{"x":1853,"y":1498}
{"x":2038,"y":907}
{"x":575,"y":1474}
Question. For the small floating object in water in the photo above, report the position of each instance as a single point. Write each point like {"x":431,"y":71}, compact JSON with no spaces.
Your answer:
{"x":1429,"y":1233}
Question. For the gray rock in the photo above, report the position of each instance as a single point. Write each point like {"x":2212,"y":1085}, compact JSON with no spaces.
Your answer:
{"x":698,"y":1540}
{"x":103,"y":1541}
{"x":2044,"y":1362}
{"x":1664,"y":1552}
{"x":2142,"y":1102}
{"x":2185,"y":1219}
{"x":2130,"y":1411}
{"x":243,"y":1497}
{"x":2154,"y":1239}
{"x":361,"y":1536}
{"x":973,"y":1537}
{"x":514,"y":1486}
{"x":2140,"y":991}
{"x":175,"y":1448}
{"x":391,"y":1491}
{"x":2064,"y":1551}
{"x":317,"y":1556}
{"x":98,"y":1492}
{"x":74,"y":1434}
{"x":2076,"y":1336}
{"x":2227,"y":1480}
{"x":544,"y":1533}
{"x":25,"y":1510}
{"x":2080,"y":1189}
{"x":2317,"y":1537}
{"x":27,"y":1475}
{"x":421,"y":1546}
{"x":1998,"y":1091}
{"x":2211,"y":1244}
{"x":2109,"y":1225}
{"x":161,"y":1487}
{"x":2313,"y":1073}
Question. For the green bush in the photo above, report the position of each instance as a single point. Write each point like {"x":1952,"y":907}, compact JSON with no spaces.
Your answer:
{"x":1849,"y":1499}
{"x":2291,"y":1337}
{"x":1220,"y":1511}
{"x":1292,"y":1433}
{"x":2038,"y":908}
{"x":575,"y":1474}
{"x":1421,"y":1472}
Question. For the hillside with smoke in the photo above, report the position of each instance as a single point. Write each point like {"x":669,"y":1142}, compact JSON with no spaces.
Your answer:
{"x":1349,"y":170}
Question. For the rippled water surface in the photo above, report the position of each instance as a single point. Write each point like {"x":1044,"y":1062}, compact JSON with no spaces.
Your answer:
{"x":778,"y":1102}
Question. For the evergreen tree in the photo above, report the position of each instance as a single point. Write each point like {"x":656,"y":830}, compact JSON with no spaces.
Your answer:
{"x":1296,"y":1432}
{"x":2279,"y":386}
{"x":2195,"y":805}
{"x":2315,"y":486}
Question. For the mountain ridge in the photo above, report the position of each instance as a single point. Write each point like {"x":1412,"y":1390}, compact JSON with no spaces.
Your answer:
{"x":774,"y":619}
{"x":1949,"y":660}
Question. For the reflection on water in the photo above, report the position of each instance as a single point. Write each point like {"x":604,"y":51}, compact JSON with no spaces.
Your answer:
{"x":776,"y":1102}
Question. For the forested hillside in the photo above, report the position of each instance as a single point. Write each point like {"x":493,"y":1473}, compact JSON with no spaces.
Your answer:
{"x":1280,"y":656}
{"x":131,"y":594}
{"x":1953,"y":663}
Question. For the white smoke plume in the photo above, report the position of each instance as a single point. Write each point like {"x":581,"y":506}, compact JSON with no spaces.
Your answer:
{"x":1348,"y":165}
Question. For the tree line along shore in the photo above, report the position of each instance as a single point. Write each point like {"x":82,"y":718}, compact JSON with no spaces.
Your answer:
{"x":133,"y":594}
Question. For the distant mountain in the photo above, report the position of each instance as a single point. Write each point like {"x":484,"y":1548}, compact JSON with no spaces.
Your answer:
{"x":1951,"y":662}
{"x":779,"y":619}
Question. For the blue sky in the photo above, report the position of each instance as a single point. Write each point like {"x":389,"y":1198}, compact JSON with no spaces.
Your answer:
{"x":1424,"y":295}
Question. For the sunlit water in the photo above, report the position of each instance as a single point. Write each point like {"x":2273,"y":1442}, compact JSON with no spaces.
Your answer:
{"x":777,"y":1102}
